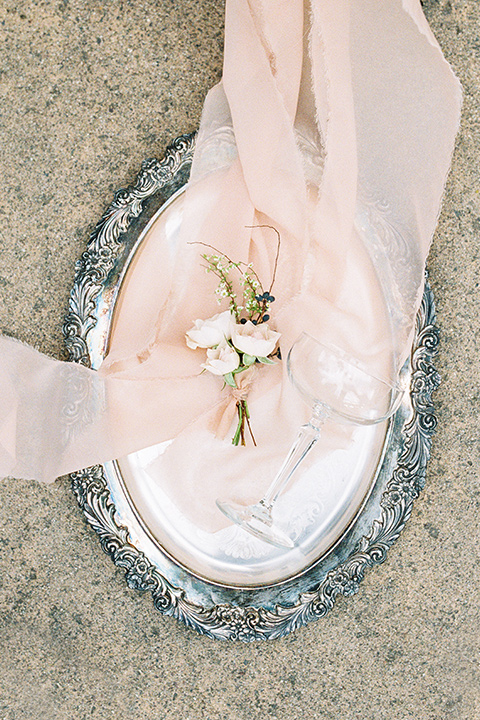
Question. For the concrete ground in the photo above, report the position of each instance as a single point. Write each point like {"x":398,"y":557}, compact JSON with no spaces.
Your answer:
{"x":88,"y":90}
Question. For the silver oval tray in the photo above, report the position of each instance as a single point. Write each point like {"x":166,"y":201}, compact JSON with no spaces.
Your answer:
{"x":250,"y":593}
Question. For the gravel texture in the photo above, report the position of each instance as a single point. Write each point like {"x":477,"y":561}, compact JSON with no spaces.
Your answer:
{"x":88,"y":90}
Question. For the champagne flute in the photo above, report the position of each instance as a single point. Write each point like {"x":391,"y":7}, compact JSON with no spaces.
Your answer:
{"x":334,"y":384}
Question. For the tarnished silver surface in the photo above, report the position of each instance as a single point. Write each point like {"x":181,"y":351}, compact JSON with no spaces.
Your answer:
{"x":235,"y":610}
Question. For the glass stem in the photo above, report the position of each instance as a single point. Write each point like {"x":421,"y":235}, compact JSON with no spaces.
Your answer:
{"x":306,"y":439}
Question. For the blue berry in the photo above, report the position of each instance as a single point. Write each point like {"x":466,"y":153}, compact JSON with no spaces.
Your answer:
{"x":265,"y":318}
{"x":243,"y":321}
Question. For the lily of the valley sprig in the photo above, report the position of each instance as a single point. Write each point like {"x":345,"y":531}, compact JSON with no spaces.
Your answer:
{"x":238,"y":339}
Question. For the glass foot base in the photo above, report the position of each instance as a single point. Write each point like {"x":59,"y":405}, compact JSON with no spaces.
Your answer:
{"x":257,"y":520}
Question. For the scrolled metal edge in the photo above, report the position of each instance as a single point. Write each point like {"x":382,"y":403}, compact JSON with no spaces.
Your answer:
{"x":93,"y":496}
{"x":221,"y":622}
{"x":92,"y":270}
{"x":228,"y":621}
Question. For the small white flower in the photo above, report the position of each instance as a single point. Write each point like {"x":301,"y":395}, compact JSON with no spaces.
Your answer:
{"x":211,"y":332}
{"x":222,"y":359}
{"x":255,"y":340}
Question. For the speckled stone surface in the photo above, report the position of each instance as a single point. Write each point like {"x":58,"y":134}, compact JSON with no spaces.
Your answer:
{"x":88,"y":90}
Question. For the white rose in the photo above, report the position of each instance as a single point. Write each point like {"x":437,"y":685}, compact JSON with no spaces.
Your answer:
{"x":255,"y":340}
{"x":222,"y":360}
{"x":211,"y":332}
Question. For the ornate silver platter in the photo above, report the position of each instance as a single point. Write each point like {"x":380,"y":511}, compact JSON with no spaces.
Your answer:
{"x":222,"y":583}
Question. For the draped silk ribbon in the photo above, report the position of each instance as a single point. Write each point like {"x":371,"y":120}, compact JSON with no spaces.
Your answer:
{"x":335,"y":123}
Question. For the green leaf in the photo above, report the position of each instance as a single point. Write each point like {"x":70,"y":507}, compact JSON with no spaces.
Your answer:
{"x":230,"y":380}
{"x":248,"y":359}
{"x":266,"y":361}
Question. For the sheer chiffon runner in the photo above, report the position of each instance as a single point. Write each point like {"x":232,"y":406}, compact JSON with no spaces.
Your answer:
{"x":334,"y":123}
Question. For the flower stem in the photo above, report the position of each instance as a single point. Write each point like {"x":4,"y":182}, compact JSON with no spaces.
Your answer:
{"x":278,"y":250}
{"x":247,"y":417}
{"x":241,"y":421}
{"x":243,"y":417}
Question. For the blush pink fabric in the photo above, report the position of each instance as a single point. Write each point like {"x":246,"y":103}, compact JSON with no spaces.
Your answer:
{"x":335,"y":123}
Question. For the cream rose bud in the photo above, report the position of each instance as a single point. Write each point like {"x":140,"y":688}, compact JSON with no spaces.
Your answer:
{"x":222,"y":359}
{"x":256,"y":340}
{"x":211,"y":332}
